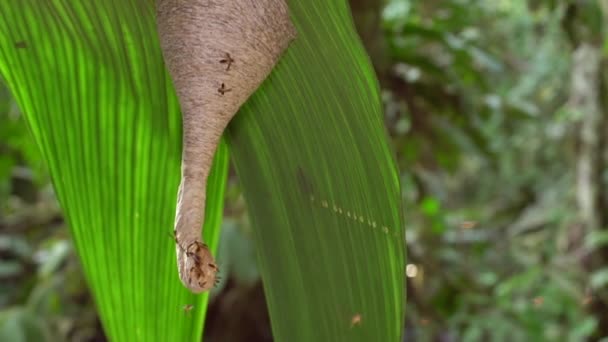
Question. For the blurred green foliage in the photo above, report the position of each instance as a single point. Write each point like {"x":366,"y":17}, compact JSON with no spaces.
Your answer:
{"x":476,"y":96}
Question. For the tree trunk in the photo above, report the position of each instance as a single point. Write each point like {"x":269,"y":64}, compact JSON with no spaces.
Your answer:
{"x":587,"y":85}
{"x":584,"y":99}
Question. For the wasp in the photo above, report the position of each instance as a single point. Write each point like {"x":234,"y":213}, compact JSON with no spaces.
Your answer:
{"x":228,"y":60}
{"x":187,"y":250}
{"x":222,"y":89}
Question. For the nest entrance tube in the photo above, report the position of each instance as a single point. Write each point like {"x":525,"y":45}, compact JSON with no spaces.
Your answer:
{"x":217,"y":53}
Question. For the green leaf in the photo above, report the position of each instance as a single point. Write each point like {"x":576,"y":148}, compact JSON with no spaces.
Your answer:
{"x":596,"y":239}
{"x":583,"y":330}
{"x":20,"y":325}
{"x":430,"y":206}
{"x":599,"y":279}
{"x":89,"y":78}
{"x":311,"y":151}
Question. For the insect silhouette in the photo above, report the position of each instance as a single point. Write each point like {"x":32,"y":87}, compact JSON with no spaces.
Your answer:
{"x":21,"y":44}
{"x":188,"y":253}
{"x":228,"y":60}
{"x":195,"y":271}
{"x":188,"y":307}
{"x":222,"y":89}
{"x":355,"y":320}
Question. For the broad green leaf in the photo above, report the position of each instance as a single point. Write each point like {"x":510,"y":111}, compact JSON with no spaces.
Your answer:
{"x":309,"y":147}
{"x":89,"y":78}
{"x":323,"y":191}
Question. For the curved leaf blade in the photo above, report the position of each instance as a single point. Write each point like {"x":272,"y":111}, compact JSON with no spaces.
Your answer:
{"x":89,"y":78}
{"x":323,"y":190}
